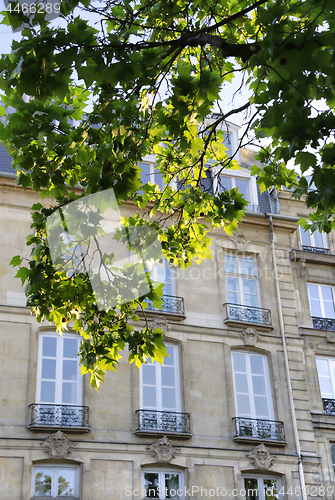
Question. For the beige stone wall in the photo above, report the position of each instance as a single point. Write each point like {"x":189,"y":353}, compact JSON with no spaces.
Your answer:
{"x":111,"y":456}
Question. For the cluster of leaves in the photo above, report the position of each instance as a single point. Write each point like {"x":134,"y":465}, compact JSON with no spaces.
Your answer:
{"x":91,"y":103}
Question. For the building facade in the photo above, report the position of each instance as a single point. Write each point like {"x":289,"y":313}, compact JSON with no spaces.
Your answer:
{"x":243,"y":408}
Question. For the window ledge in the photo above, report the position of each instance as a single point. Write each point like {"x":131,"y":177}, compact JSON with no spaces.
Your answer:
{"x":323,"y":421}
{"x":39,"y":497}
{"x":160,"y":312}
{"x":249,"y":439}
{"x":311,"y":257}
{"x":258,"y":326}
{"x":69,"y":428}
{"x":177,"y":435}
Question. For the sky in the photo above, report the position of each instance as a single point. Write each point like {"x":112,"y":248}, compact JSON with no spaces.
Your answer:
{"x":232,"y":97}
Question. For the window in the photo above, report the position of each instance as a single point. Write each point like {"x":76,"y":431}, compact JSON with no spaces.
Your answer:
{"x":242,"y":280}
{"x":321,"y":301}
{"x":315,"y":240}
{"x":150,"y":173}
{"x":332,"y":450}
{"x":56,"y":481}
{"x":160,"y":388}
{"x":326,"y":372}
{"x":163,"y":484}
{"x":252,"y":386}
{"x":226,"y":182}
{"x":262,"y":488}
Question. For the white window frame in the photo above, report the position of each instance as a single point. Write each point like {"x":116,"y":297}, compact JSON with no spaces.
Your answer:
{"x":312,"y":240}
{"x":167,"y":266}
{"x":260,"y":484}
{"x":59,"y":369}
{"x":158,"y":385}
{"x":225,"y":172}
{"x":151,"y":161}
{"x":241,"y":276}
{"x":161,"y":481}
{"x":331,"y":376}
{"x":54,"y":468}
{"x":252,"y":414}
{"x":318,"y":285}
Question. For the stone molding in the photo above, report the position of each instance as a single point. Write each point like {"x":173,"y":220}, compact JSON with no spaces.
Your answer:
{"x":249,"y":336}
{"x":58,"y":445}
{"x":261,"y":458}
{"x":160,"y":322}
{"x":163,"y":450}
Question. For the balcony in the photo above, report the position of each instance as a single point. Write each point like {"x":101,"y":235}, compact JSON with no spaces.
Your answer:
{"x":172,"y":306}
{"x":315,"y":249}
{"x":240,"y":314}
{"x":152,"y":422}
{"x":328,"y":406}
{"x":254,"y":429}
{"x":50,"y":416}
{"x":326,"y":324}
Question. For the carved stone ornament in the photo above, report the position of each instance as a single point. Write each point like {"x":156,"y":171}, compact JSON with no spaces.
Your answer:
{"x":249,"y":336}
{"x":303,"y":267}
{"x":261,"y":458}
{"x":163,"y":450}
{"x":58,"y":445}
{"x":331,"y":337}
{"x":240,"y":241}
{"x":160,"y":322}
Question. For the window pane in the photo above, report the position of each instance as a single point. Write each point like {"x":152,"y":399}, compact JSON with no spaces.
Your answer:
{"x":149,"y":397}
{"x":314,"y":301}
{"x":232,"y":284}
{"x":323,"y":367}
{"x":43,"y":482}
{"x":256,"y":365}
{"x":248,"y":266}
{"x":168,"y":378}
{"x":318,"y":240}
{"x":241,"y":383}
{"x":47,"y":392}
{"x":251,"y":487}
{"x":270,"y":489}
{"x":49,"y":346}
{"x":70,"y":370}
{"x":233,"y":298}
{"x":332,"y":449}
{"x":170,"y":351}
{"x":243,"y":405}
{"x":69,"y":393}
{"x":243,"y":187}
{"x":230,"y":263}
{"x":224,"y":183}
{"x":328,"y":304}
{"x":239,"y":362}
{"x":227,"y":143}
{"x":70,"y":349}
{"x":49,"y":368}
{"x":151,"y":484}
{"x":258,"y":385}
{"x":326,"y":387}
{"x":149,"y":374}
{"x":261,"y":406}
{"x":305,"y":238}
{"x":66,"y":482}
{"x":171,"y":485}
{"x":168,"y":399}
{"x":158,"y":178}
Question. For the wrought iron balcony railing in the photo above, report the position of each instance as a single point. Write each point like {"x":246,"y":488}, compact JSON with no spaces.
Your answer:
{"x":171,"y":304}
{"x":248,"y":314}
{"x":315,"y":249}
{"x":269,"y":430}
{"x":52,"y":415}
{"x":326,"y":324}
{"x":328,"y":406}
{"x":163,"y":421}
